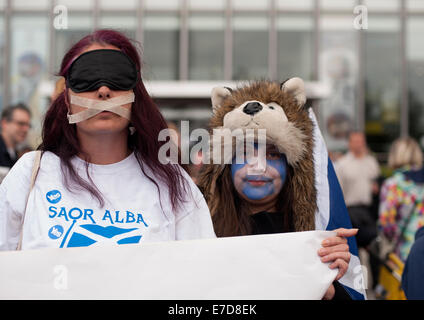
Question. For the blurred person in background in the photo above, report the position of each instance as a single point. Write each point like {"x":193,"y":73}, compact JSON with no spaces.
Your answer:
{"x":412,"y":276}
{"x":24,"y":149}
{"x":335,"y":155}
{"x":401,"y":211}
{"x":15,"y":124}
{"x":358,"y":172}
{"x":405,"y":154}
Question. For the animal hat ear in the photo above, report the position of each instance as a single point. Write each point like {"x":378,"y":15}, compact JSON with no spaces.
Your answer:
{"x":296,"y":87}
{"x":218,"y":95}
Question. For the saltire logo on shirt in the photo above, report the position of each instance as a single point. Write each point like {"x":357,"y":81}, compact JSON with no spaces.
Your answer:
{"x":87,"y":234}
{"x":84,"y":235}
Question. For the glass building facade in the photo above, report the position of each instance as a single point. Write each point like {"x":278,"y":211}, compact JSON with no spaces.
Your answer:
{"x":375,"y":72}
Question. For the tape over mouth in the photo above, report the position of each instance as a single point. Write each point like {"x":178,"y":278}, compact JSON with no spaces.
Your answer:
{"x":95,"y":107}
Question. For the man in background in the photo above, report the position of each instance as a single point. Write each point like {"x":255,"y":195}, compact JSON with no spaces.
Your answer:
{"x":358,"y":172}
{"x":15,"y":124}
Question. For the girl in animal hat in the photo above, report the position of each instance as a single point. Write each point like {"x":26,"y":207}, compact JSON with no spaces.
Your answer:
{"x":293,"y":187}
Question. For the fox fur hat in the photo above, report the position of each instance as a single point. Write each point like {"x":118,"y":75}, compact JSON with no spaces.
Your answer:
{"x":280,"y":110}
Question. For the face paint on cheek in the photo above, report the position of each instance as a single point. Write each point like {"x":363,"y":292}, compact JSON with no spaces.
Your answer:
{"x":236,"y":167}
{"x":281,"y":166}
{"x":258,"y":187}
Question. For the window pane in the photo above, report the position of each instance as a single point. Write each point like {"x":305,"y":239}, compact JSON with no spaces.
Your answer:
{"x":2,"y":55}
{"x":79,"y":25}
{"x":415,"y":53}
{"x":415,"y":5}
{"x":161,"y":47}
{"x":202,"y":4}
{"x":250,"y":58}
{"x":338,"y":4}
{"x":250,"y":4}
{"x":383,"y":81}
{"x":76,"y":4}
{"x":382,"y":4}
{"x":206,"y":47}
{"x":30,"y":4}
{"x":120,"y":5}
{"x":28,"y":65}
{"x":338,"y":67}
{"x":28,"y":55}
{"x":162,"y":4}
{"x":295,"y":46}
{"x":295,"y":4}
{"x":125,"y":23}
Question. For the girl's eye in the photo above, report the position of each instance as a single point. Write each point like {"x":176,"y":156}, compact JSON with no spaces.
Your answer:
{"x":273,"y":156}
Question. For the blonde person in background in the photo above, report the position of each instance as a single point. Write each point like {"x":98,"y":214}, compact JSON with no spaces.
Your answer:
{"x":405,"y":154}
{"x":401,"y":210}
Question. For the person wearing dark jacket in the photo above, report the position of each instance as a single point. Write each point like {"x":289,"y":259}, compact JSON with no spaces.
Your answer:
{"x":15,"y":124}
{"x":413,"y":273}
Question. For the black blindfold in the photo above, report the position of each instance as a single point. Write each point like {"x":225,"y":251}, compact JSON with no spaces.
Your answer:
{"x":104,"y":67}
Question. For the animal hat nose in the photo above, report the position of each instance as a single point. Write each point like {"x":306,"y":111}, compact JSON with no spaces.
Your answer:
{"x":252,"y":108}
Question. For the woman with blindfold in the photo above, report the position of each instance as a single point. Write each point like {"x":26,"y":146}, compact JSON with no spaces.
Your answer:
{"x":99,"y":178}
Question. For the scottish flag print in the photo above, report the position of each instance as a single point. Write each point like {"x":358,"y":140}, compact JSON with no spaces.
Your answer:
{"x":332,"y":212}
{"x":82,"y":227}
{"x":88,"y":234}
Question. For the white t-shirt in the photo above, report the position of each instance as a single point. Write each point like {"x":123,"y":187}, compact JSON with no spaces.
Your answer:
{"x":356,"y":176}
{"x":132,"y":212}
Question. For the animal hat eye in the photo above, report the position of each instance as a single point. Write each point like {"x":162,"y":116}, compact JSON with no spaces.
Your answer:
{"x":273,"y":105}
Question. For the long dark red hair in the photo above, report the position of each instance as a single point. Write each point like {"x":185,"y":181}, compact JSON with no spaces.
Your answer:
{"x":59,"y":137}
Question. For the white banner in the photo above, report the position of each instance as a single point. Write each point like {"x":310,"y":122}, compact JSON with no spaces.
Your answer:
{"x":274,"y":266}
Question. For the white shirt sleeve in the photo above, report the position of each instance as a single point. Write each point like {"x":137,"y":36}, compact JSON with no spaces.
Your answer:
{"x":13,"y":194}
{"x":196,"y":224}
{"x":194,"y":220}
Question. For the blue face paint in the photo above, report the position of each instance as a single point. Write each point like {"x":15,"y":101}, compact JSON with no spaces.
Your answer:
{"x":265,"y":185}
{"x":258,"y":192}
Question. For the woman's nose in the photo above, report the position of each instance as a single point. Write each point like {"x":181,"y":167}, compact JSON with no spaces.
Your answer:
{"x":103,"y":93}
{"x":256,"y":166}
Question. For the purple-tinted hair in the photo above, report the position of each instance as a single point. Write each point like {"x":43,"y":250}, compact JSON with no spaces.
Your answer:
{"x":59,"y":137}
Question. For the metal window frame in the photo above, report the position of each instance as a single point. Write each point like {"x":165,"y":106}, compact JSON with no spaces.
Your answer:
{"x":8,"y":41}
{"x":272,"y":42}
{"x":404,"y":98}
{"x":360,"y":101}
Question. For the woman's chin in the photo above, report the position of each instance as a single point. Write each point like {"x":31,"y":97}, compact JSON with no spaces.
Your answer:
{"x":258,"y":199}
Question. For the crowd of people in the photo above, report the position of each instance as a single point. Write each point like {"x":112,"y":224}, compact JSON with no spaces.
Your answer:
{"x":101,"y":124}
